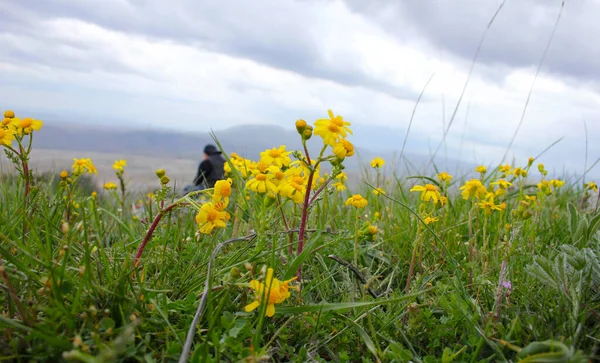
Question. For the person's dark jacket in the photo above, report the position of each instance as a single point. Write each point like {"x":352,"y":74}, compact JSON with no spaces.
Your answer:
{"x":210,"y":170}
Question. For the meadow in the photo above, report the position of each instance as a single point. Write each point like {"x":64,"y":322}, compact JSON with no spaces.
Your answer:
{"x":282,"y":261}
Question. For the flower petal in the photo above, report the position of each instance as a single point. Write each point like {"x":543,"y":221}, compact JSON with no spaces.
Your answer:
{"x":270,"y":310}
{"x":253,"y":305}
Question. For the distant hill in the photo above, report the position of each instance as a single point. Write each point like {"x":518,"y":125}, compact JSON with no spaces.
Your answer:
{"x":247,"y":141}
{"x":179,"y":153}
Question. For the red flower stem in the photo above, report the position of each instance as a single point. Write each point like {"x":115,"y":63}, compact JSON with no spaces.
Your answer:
{"x":319,"y":190}
{"x":150,"y":232}
{"x":302,"y":231}
{"x":306,"y":151}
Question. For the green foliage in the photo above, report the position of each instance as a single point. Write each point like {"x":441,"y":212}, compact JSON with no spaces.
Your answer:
{"x":71,"y":289}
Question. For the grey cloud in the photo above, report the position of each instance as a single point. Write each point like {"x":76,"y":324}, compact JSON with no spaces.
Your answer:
{"x":64,"y":54}
{"x":276,"y":33}
{"x":517,"y":37}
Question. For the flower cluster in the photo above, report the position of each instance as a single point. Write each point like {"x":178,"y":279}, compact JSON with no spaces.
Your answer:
{"x":110,"y":186}
{"x":13,"y":128}
{"x":277,"y":174}
{"x":82,"y":166}
{"x":212,"y":214}
{"x":357,"y":201}
{"x":368,"y":231}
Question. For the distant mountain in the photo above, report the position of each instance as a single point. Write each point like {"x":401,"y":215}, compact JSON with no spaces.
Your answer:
{"x":247,"y":141}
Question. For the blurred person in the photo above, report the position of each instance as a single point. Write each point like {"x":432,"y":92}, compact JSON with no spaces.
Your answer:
{"x":211,"y":169}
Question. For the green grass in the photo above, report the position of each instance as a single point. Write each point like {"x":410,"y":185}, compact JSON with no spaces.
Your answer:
{"x":72,"y":290}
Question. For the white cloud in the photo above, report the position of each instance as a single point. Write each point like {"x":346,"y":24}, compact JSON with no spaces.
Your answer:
{"x":67,"y":64}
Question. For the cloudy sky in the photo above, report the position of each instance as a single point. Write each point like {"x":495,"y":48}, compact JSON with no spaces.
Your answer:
{"x":196,"y":65}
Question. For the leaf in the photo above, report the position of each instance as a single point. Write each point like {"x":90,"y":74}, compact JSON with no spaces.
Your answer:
{"x":365,"y":337}
{"x":343,"y":306}
{"x":299,"y":260}
{"x":448,"y":356}
{"x":593,"y":226}
{"x":573,"y":219}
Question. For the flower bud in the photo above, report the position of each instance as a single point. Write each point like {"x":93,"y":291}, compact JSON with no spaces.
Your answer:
{"x":9,"y":114}
{"x":164,"y":180}
{"x":235,"y":272}
{"x":64,"y":174}
{"x":307,"y":133}
{"x":372,"y":229}
{"x":160,"y":173}
{"x":300,"y":126}
{"x":530,"y":162}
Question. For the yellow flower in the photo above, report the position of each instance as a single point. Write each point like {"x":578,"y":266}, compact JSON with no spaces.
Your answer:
{"x":428,"y":192}
{"x":278,"y":175}
{"x":530,"y":161}
{"x":211,"y":216}
{"x":276,"y":156}
{"x":357,"y":201}
{"x":377,"y":163}
{"x":442,"y":202}
{"x":222,"y":191}
{"x":376,"y":215}
{"x":9,"y":114}
{"x":443,"y":176}
{"x":342,"y":177}
{"x":333,"y":129}
{"x":520,"y":172}
{"x":592,"y":186}
{"x":429,"y":220}
{"x":27,"y":125}
{"x":119,"y":165}
{"x":544,"y":187}
{"x":378,"y":191}
{"x":505,"y":169}
{"x":481,"y":169}
{"x":10,"y":123}
{"x":261,"y":183}
{"x":502,"y":184}
{"x":489,"y":206}
{"x":64,"y":174}
{"x":343,"y":148}
{"x":274,"y":290}
{"x":557,"y":183}
{"x":6,"y":136}
{"x":110,"y":186}
{"x":83,"y":165}
{"x":473,"y":187}
{"x":294,"y":185}
{"x":372,"y":229}
{"x":339,"y":186}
